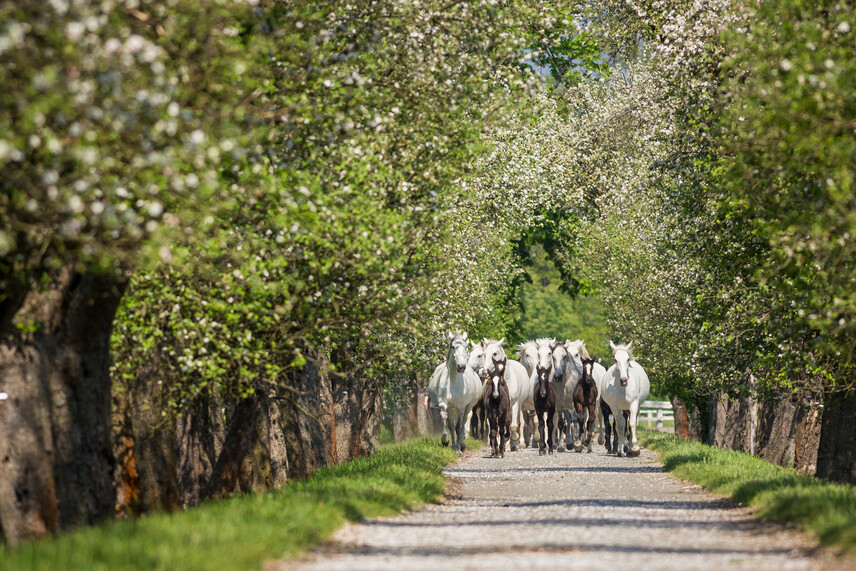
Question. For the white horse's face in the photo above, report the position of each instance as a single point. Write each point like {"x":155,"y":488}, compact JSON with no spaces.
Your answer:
{"x":622,"y":366}
{"x":545,"y":355}
{"x":574,"y":353}
{"x":560,"y":359}
{"x":493,"y":352}
{"x":529,"y":355}
{"x":458,"y":352}
{"x":476,"y":361}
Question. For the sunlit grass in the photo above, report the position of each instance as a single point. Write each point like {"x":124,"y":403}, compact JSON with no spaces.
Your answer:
{"x":246,"y":531}
{"x":821,"y":507}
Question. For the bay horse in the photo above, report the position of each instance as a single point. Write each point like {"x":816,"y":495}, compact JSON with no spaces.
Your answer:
{"x":586,"y":400}
{"x":497,"y":405}
{"x":545,"y":408}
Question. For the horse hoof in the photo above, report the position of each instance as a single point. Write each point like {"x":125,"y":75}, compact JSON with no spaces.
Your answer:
{"x":513,"y":447}
{"x":621,"y":454}
{"x":463,"y":447}
{"x":600,"y":439}
{"x":636,"y":451}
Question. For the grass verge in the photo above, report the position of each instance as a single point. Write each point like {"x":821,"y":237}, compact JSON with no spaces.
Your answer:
{"x":824,"y":508}
{"x":245,"y":531}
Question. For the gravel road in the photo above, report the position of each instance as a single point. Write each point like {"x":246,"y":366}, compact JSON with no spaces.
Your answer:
{"x":585,"y":511}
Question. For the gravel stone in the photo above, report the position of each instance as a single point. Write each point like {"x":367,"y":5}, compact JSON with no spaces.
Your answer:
{"x":580,"y":510}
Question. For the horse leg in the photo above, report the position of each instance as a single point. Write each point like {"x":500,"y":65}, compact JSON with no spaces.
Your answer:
{"x":578,"y":410}
{"x":542,"y":428}
{"x":551,"y":414}
{"x":444,"y":417}
{"x":607,"y":435}
{"x":504,"y":433}
{"x":601,"y":428}
{"x":493,"y":426}
{"x":621,"y":420}
{"x":634,"y":414}
{"x":515,"y":432}
{"x":465,"y":424}
{"x":592,"y":418}
{"x":455,"y":428}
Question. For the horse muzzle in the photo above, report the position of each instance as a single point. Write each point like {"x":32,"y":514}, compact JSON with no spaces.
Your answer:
{"x":462,"y":369}
{"x":623,"y":382}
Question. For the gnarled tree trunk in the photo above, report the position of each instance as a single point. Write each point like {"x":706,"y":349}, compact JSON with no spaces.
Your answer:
{"x":56,"y":452}
{"x":836,"y":459}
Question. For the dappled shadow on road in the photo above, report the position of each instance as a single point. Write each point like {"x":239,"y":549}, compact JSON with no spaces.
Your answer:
{"x":678,"y":524}
{"x":706,"y":504}
{"x":568,"y":469}
{"x":560,"y":547}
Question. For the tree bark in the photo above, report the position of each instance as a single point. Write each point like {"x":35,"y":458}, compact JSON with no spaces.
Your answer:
{"x":682,"y":424}
{"x":56,"y":453}
{"x":836,"y":458}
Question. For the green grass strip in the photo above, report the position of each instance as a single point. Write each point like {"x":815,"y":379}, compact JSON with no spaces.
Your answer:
{"x":824,"y":508}
{"x":244,"y":532}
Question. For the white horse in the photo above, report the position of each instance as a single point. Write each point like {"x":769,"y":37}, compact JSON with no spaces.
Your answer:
{"x":520,"y":389}
{"x":531,"y":354}
{"x":455,"y":388}
{"x":626,"y":388}
{"x":566,"y":374}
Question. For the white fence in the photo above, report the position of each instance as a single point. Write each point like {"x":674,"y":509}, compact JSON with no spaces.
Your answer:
{"x":658,"y":410}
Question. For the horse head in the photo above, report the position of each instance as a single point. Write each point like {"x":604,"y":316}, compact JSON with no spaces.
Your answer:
{"x":588,"y":370}
{"x":623,"y":356}
{"x":476,"y":360}
{"x":458,"y":351}
{"x":496,"y":380}
{"x":494,"y":351}
{"x":499,"y":365}
{"x":559,"y":358}
{"x":545,"y":351}
{"x":543,"y":378}
{"x":527,"y":354}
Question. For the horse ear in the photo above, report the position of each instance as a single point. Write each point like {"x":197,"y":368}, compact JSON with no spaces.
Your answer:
{"x":502,"y":342}
{"x":612,"y":346}
{"x":629,"y":345}
{"x":464,"y":336}
{"x":450,"y":336}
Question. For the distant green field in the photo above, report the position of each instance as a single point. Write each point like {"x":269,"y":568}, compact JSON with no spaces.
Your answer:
{"x":550,"y":313}
{"x":246,"y":531}
{"x":826,"y":509}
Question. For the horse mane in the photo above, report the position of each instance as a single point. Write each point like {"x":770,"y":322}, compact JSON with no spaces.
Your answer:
{"x":545,"y":341}
{"x":583,"y":351}
{"x":521,"y":349}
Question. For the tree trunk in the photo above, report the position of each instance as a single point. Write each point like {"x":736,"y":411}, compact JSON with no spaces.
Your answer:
{"x":836,"y":458}
{"x":56,"y":452}
{"x":682,"y":424}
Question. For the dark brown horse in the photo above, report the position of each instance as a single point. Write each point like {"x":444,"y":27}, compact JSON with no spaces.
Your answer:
{"x":497,"y":405}
{"x":545,"y":408}
{"x":585,"y":401}
{"x":610,"y":429}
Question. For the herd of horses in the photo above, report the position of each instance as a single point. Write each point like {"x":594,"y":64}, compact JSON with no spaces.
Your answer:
{"x":540,"y":396}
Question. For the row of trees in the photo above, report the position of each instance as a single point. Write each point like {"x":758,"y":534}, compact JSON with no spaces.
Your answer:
{"x":722,"y":239}
{"x":227,"y":226}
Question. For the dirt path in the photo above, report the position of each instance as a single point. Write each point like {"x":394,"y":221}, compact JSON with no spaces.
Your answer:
{"x":586,"y":511}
